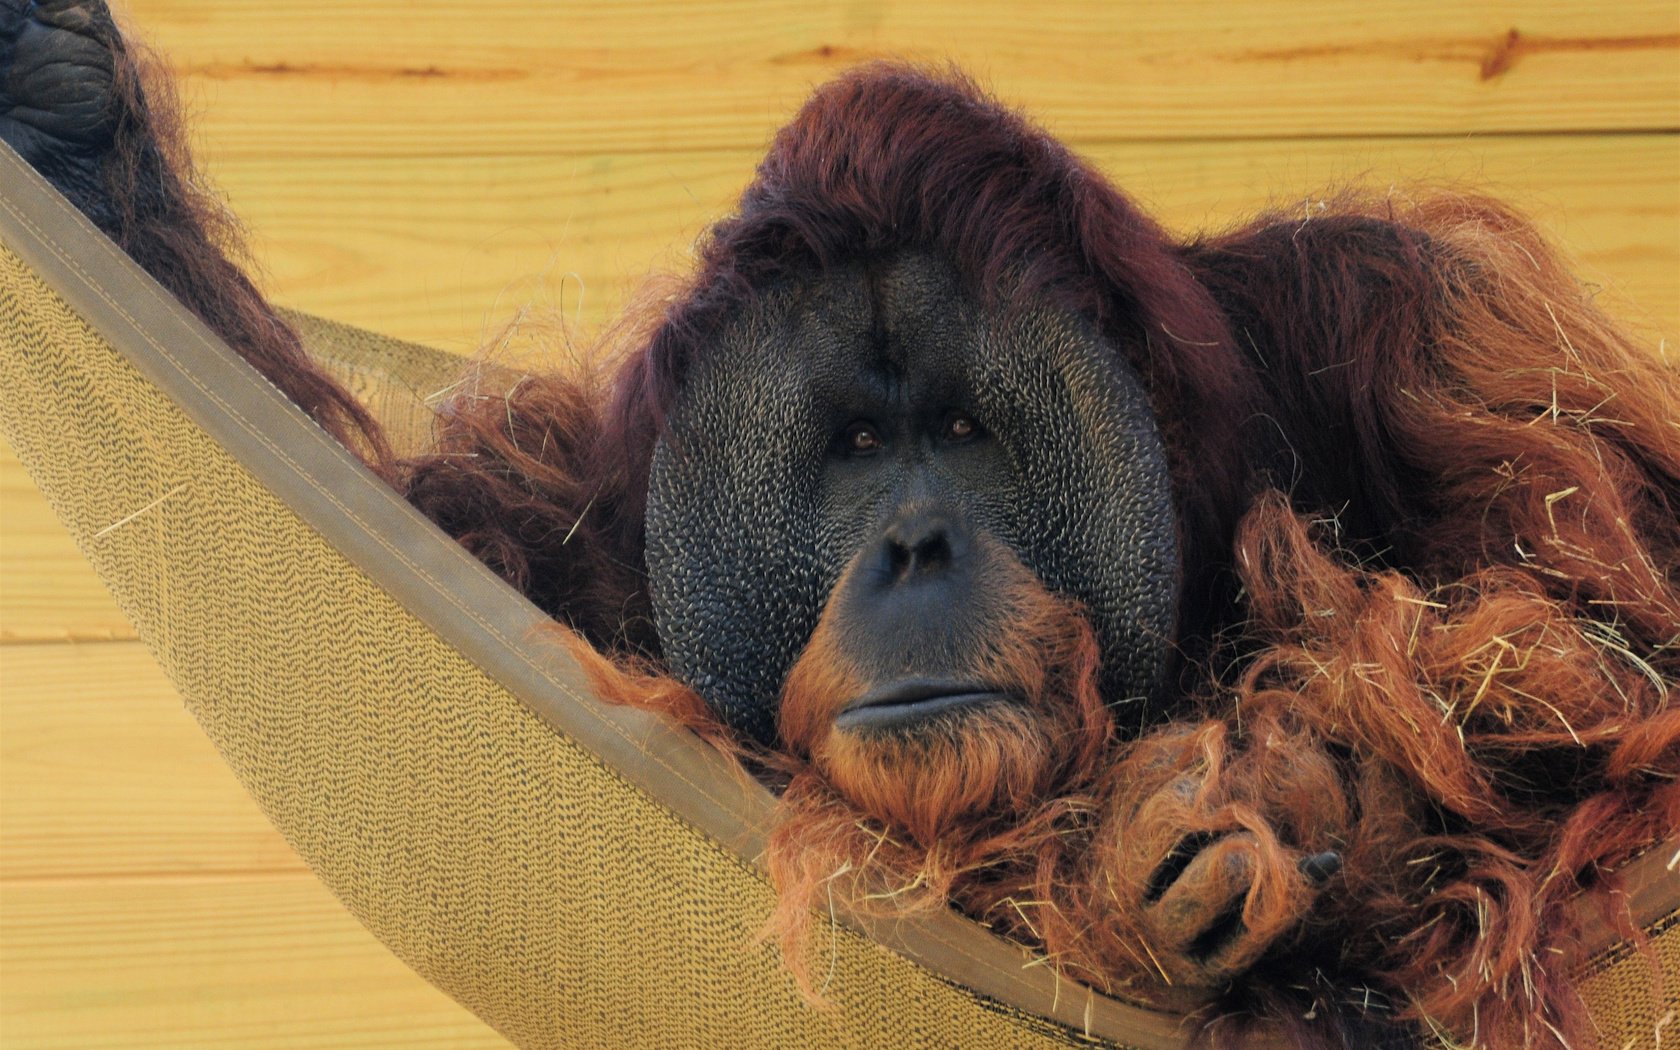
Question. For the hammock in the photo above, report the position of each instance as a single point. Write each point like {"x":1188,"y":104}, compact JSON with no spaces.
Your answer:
{"x":577,"y":874}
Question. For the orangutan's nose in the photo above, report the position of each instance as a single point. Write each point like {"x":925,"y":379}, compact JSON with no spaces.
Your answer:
{"x":920,"y":544}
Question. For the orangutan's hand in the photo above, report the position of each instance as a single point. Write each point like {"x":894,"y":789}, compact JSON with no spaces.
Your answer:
{"x":1195,"y":870}
{"x":60,"y":107}
{"x":58,"y":62}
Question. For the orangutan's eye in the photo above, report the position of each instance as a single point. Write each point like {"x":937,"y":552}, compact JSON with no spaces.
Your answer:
{"x":861,"y":439}
{"x":961,"y":428}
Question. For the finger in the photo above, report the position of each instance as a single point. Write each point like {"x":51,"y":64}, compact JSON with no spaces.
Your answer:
{"x":1320,"y":868}
{"x":1198,"y":919}
{"x":1154,"y":836}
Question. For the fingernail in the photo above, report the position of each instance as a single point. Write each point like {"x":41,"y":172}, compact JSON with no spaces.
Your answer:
{"x":1320,"y":866}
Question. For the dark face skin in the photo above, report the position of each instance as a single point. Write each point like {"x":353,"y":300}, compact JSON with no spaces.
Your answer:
{"x":874,"y":413}
{"x":879,"y":414}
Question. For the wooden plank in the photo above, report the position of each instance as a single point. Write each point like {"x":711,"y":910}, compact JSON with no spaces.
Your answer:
{"x":525,"y":76}
{"x":1612,"y":202}
{"x":215,"y":962}
{"x":103,"y":774}
{"x":436,"y":166}
{"x":145,"y":901}
{"x":47,"y":590}
{"x":444,"y":251}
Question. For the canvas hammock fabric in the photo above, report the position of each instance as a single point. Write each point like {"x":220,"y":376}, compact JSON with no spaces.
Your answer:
{"x":577,"y":874}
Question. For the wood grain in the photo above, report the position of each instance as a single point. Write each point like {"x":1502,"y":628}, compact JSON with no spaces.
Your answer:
{"x":144,"y":899}
{"x":106,"y":775}
{"x":257,"y":961}
{"x":431,"y":169}
{"x":442,"y":250}
{"x":528,"y":77}
{"x":47,"y":590}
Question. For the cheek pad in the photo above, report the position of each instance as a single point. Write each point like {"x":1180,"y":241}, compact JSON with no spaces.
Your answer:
{"x":1092,"y":512}
{"x":743,"y":549}
{"x":735,"y":544}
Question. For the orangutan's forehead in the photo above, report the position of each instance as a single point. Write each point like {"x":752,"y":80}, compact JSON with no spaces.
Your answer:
{"x":888,"y":329}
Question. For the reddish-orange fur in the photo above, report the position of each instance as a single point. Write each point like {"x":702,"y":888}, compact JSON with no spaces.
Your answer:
{"x":983,"y":770}
{"x":1481,"y":723}
{"x":1377,"y":710}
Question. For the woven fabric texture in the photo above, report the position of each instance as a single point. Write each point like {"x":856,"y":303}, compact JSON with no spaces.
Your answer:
{"x":494,"y":855}
{"x":399,"y":382}
{"x":1629,"y":1009}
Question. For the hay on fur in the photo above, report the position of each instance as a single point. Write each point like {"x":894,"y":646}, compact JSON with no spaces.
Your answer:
{"x":1430,"y":499}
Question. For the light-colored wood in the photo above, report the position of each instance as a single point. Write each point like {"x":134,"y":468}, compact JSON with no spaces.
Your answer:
{"x":144,"y":899}
{"x":105,"y":775}
{"x":444,"y":249}
{"x":428,"y":168}
{"x":47,"y":590}
{"x":253,"y":961}
{"x":522,"y":77}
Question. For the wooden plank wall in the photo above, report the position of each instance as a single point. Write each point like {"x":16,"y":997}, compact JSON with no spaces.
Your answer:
{"x":428,"y":168}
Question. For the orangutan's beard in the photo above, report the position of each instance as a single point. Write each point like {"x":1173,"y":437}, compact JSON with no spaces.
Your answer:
{"x":976,"y":767}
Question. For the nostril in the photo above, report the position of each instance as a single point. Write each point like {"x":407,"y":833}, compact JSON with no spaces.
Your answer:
{"x":932,"y":552}
{"x":899,"y":557}
{"x":914,"y":552}
{"x":921,"y":543}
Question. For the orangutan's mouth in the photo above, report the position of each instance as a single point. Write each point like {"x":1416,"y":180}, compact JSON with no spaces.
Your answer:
{"x":906,"y":703}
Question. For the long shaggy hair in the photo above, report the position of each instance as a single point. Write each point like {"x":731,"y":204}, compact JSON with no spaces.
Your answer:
{"x":1429,"y":499}
{"x":1455,"y":664}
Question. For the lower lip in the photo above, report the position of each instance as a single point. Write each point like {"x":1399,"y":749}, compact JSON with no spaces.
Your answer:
{"x":910,"y":712}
